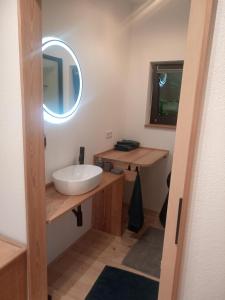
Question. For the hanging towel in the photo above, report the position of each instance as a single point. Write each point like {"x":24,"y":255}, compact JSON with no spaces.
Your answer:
{"x":163,"y":212}
{"x":136,"y":214}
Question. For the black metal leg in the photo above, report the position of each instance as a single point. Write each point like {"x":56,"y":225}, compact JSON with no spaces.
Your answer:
{"x":49,"y":297}
{"x":78,"y":213}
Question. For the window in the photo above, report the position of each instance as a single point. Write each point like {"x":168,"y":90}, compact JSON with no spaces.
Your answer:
{"x":166,"y":85}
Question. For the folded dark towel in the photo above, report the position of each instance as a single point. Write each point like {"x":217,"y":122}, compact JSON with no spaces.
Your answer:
{"x":126,"y":145}
{"x":123,"y":147}
{"x":129,"y":142}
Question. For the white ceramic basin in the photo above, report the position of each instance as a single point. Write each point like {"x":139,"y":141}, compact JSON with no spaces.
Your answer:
{"x":77,"y":179}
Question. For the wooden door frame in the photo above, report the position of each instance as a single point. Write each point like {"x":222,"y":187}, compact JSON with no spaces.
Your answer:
{"x":30,"y":36}
{"x":198,"y":50}
{"x":30,"y":41}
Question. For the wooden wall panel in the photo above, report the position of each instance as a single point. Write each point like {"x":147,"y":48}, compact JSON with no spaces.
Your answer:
{"x":31,"y":78}
{"x":117,"y":207}
{"x":107,"y":209}
{"x":98,"y":211}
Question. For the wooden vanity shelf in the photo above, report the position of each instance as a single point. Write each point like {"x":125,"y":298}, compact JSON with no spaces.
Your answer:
{"x":13,"y":270}
{"x":141,"y":157}
{"x":107,"y":203}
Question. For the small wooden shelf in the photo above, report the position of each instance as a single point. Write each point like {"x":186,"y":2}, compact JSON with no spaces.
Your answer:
{"x":140,"y":157}
{"x":58,"y":204}
{"x":9,"y":251}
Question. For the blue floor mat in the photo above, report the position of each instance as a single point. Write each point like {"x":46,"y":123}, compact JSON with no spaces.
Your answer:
{"x":116,"y":284}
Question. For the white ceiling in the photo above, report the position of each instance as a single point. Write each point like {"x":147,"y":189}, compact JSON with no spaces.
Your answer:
{"x":137,"y":1}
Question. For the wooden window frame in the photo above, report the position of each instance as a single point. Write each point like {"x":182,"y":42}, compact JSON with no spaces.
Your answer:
{"x":155,"y":117}
{"x":203,"y":15}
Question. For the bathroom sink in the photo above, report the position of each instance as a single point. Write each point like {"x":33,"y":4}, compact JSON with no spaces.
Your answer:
{"x":77,"y":179}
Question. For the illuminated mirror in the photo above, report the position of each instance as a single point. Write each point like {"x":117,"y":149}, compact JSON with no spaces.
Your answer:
{"x":62,"y":81}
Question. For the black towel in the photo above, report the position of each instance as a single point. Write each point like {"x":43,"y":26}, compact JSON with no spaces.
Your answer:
{"x":136,"y":214}
{"x":163,"y":212}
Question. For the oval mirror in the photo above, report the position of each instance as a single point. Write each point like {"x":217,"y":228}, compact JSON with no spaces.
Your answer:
{"x":62,"y":81}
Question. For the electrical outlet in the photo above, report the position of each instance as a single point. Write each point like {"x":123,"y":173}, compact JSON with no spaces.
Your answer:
{"x":108,"y":134}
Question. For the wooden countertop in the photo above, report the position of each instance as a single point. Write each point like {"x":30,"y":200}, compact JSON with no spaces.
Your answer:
{"x":141,"y":157}
{"x":9,"y":251}
{"x":58,"y":204}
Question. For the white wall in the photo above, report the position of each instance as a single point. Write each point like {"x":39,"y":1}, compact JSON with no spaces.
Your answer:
{"x":204,"y":265}
{"x":158,"y":33}
{"x":12,"y":194}
{"x":95,"y":31}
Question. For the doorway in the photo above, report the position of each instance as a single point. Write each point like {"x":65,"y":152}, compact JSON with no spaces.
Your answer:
{"x":193,"y":87}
